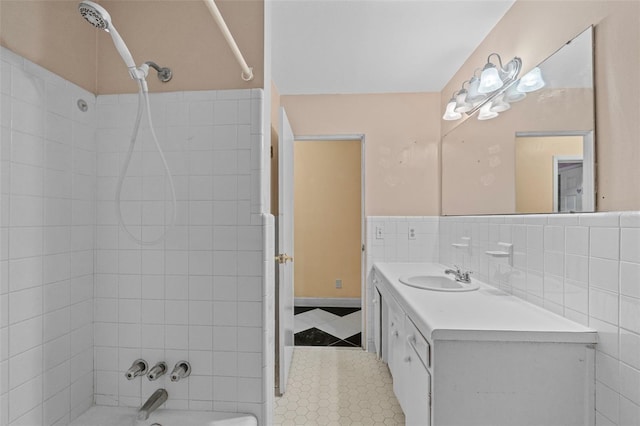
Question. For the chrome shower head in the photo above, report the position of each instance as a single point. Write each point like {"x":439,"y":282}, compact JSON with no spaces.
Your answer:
{"x":95,"y":14}
{"x":98,"y":16}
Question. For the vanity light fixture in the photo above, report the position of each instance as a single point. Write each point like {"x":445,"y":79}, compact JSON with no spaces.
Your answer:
{"x":450,"y":114}
{"x":494,"y":90}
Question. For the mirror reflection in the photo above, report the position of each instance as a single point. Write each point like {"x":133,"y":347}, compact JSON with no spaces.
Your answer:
{"x":535,"y":157}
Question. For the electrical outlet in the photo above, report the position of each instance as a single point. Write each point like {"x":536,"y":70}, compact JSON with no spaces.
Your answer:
{"x":379,"y":232}
{"x":338,"y":283}
{"x":412,"y":233}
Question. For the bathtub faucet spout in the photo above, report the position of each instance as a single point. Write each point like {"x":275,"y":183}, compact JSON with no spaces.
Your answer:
{"x":156,"y":399}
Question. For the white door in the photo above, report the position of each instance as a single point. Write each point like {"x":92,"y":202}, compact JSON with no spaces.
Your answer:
{"x":284,"y":251}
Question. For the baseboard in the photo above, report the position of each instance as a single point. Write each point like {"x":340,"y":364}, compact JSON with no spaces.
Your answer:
{"x":338,"y":302}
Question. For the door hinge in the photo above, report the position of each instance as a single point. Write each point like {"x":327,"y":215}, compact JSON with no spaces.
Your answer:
{"x":363,"y":248}
{"x":271,"y":151}
{"x":429,"y":398}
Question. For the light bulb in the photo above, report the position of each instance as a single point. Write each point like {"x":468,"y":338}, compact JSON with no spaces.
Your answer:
{"x":532,"y":81}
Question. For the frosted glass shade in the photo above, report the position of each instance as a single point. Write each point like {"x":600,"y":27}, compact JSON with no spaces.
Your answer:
{"x":531,"y":82}
{"x":450,"y":114}
{"x":513,"y":94}
{"x":486,"y":113}
{"x":461,"y":102}
{"x":490,"y":80}
{"x":499,"y":104}
{"x":472,"y":94}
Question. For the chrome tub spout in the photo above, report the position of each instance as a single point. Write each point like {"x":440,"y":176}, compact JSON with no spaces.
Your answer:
{"x":156,"y":399}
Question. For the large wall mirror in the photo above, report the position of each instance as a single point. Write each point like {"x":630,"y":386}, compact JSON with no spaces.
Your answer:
{"x":537,"y":157}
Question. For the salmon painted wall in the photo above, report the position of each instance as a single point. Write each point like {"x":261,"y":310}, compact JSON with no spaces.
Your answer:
{"x":533,"y":30}
{"x":402,"y":136}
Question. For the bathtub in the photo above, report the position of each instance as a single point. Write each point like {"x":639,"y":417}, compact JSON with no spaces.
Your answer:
{"x":123,"y":416}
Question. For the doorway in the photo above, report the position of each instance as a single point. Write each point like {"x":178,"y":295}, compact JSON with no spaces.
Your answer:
{"x":328,"y":214}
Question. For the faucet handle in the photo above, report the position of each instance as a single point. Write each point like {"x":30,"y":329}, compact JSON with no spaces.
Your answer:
{"x":180,"y":371}
{"x":138,"y":368}
{"x":157,"y":370}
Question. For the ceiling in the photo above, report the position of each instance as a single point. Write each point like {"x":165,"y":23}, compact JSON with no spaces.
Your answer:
{"x":375,"y":46}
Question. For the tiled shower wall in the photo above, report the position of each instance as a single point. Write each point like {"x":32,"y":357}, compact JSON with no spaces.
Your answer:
{"x":46,"y":245}
{"x":389,"y":240}
{"x":585,"y":267}
{"x":198,"y":294}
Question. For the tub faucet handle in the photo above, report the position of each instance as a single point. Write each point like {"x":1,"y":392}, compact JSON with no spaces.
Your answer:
{"x":138,"y":368}
{"x":157,"y":370}
{"x":180,"y":371}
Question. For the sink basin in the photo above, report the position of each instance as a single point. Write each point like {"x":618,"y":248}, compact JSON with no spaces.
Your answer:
{"x":436,"y":283}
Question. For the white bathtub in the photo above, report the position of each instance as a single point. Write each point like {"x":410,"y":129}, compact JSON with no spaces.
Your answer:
{"x":122,"y":416}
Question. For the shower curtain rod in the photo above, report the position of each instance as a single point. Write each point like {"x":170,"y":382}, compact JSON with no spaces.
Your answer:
{"x":247,"y":72}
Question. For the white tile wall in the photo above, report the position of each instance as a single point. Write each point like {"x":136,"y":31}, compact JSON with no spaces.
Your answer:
{"x":395,"y":245}
{"x":199,"y":294}
{"x":585,"y":267}
{"x":46,"y":245}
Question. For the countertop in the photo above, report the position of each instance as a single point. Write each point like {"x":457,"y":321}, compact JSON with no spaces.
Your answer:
{"x":487,"y":314}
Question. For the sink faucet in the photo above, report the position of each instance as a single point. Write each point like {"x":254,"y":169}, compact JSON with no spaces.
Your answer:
{"x":156,"y":399}
{"x":463,"y":277}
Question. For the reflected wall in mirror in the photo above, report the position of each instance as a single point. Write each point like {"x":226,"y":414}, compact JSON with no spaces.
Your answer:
{"x":526,"y":159}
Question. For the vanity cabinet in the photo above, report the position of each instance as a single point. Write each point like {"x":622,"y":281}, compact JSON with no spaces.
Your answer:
{"x":482,"y":357}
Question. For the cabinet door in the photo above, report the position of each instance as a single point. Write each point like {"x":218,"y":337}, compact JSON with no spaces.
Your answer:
{"x":416,"y":391}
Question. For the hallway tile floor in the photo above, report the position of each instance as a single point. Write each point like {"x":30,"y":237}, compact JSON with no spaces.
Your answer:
{"x":327,"y":326}
{"x":337,"y":386}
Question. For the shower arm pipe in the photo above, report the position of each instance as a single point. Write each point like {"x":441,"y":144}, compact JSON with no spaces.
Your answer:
{"x":247,"y":72}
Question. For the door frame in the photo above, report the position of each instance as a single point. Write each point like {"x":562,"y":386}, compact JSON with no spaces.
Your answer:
{"x":363,"y":252}
{"x":557,"y":159}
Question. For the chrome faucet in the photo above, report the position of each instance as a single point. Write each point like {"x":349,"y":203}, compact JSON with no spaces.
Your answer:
{"x":463,"y":277}
{"x":156,"y":399}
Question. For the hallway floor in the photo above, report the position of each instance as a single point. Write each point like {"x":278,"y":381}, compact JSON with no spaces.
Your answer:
{"x":337,"y":386}
{"x":327,"y":326}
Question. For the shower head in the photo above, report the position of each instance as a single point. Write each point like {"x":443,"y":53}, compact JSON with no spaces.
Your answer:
{"x":98,"y":16}
{"x":95,"y":14}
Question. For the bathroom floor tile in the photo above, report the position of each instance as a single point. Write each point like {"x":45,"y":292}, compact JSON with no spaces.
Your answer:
{"x":337,"y":386}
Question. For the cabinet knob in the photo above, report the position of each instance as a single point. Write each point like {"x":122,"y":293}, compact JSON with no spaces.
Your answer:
{"x":374,"y":301}
{"x":407,"y":358}
{"x":396,"y":334}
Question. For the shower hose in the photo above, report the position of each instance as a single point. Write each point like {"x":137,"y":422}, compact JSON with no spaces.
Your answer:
{"x":143,"y":100}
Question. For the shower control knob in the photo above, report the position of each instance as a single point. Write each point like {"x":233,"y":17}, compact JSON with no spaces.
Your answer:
{"x":180,"y":371}
{"x":157,"y":370}
{"x":138,"y":368}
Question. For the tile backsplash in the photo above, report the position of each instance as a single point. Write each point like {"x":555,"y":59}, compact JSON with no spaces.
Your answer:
{"x":585,"y":267}
{"x":397,"y":239}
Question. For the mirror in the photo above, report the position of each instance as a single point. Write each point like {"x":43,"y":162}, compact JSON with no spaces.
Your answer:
{"x":536,"y":157}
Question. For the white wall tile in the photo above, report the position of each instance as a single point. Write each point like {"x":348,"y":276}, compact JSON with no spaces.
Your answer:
{"x":605,"y":243}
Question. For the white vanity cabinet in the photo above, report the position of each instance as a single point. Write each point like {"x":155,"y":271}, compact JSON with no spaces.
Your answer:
{"x":482,"y":357}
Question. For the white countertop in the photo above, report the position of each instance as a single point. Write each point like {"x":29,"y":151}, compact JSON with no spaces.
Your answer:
{"x":487,"y":314}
